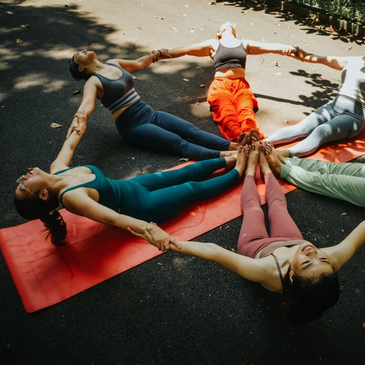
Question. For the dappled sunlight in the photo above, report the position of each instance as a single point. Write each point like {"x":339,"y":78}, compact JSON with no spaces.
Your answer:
{"x":34,"y":80}
{"x":171,"y":67}
{"x":60,"y":53}
{"x":201,"y":110}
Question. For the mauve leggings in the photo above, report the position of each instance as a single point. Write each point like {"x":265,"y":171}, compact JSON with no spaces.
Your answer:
{"x":253,"y":236}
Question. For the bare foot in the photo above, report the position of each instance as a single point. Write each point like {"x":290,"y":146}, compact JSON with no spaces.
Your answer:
{"x":264,"y":164}
{"x":231,"y":161}
{"x":244,"y":139}
{"x":242,"y":156}
{"x":252,"y":160}
{"x":283,"y":153}
{"x":255,"y":135}
{"x":274,"y":159}
{"x":228,"y":154}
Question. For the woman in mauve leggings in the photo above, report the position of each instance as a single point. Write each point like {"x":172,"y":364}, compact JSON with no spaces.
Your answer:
{"x":282,"y":261}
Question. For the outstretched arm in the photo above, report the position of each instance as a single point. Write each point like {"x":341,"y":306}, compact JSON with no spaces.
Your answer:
{"x":256,"y":48}
{"x":338,"y":63}
{"x":257,"y":270}
{"x":87,"y":105}
{"x":65,"y":155}
{"x":141,"y":62}
{"x":78,"y":202}
{"x":202,"y":49}
{"x":343,"y":252}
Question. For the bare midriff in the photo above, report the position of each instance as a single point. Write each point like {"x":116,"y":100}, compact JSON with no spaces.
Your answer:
{"x":120,"y":111}
{"x":230,"y":73}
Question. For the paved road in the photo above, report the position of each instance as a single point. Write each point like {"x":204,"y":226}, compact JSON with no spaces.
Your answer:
{"x":186,"y":311}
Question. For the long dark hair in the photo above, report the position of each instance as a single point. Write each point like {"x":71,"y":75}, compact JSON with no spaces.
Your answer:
{"x":36,"y":208}
{"x":311,"y":297}
{"x":76,"y":74}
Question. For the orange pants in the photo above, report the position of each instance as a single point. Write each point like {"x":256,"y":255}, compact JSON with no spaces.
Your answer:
{"x":233,"y":106}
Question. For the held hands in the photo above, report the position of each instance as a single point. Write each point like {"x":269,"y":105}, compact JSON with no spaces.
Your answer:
{"x":156,"y":236}
{"x":298,"y":53}
{"x":78,"y":123}
{"x":160,"y":54}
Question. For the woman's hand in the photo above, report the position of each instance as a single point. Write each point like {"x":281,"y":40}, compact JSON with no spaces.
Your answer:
{"x":299,"y":53}
{"x":156,"y":236}
{"x":78,"y":123}
{"x":160,"y":54}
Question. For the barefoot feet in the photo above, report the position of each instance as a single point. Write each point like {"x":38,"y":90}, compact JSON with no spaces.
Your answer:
{"x":252,"y":160}
{"x":275,"y":160}
{"x":242,"y":156}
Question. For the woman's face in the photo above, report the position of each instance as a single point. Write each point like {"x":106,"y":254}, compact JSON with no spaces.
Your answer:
{"x":29,"y":184}
{"x":310,"y":261}
{"x":84,"y":57}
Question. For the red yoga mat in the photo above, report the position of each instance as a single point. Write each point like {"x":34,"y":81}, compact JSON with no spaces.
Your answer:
{"x":45,"y":275}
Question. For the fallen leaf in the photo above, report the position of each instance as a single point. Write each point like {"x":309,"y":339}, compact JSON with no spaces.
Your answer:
{"x":344,"y":213}
{"x":56,"y":125}
{"x":363,"y":325}
{"x":159,"y":263}
{"x":19,"y":40}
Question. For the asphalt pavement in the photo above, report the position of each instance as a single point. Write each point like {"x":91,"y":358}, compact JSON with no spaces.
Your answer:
{"x":172,"y":309}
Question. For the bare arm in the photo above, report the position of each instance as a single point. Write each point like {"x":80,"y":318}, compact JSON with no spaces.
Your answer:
{"x":343,"y":252}
{"x":256,"y":48}
{"x":78,"y":202}
{"x":257,"y":270}
{"x":338,"y":63}
{"x":65,"y":155}
{"x":87,"y":105}
{"x":142,"y":62}
{"x":202,"y":49}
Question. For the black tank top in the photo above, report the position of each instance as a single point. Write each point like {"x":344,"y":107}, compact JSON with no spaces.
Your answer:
{"x":227,"y":57}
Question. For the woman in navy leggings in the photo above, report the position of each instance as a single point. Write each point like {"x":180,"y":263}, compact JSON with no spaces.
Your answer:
{"x":138,"y":123}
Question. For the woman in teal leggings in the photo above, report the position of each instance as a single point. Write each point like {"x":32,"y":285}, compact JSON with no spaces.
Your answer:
{"x":130,"y":204}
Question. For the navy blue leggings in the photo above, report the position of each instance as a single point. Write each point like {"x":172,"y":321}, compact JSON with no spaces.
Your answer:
{"x":143,"y":126}
{"x":159,"y":196}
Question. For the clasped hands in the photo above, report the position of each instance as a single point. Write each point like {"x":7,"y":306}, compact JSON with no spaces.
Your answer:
{"x":78,"y":123}
{"x":156,"y":236}
{"x":160,"y":54}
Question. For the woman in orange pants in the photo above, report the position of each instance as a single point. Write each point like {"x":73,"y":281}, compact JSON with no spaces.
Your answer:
{"x":231,"y":100}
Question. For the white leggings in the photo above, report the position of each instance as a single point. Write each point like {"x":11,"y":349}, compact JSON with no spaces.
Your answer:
{"x":340,"y":119}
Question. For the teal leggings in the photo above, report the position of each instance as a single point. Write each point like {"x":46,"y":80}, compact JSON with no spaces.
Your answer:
{"x":160,"y":196}
{"x":345,"y":181}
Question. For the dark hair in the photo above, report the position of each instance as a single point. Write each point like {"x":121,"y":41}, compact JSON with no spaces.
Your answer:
{"x":311,"y":298}
{"x":76,"y":74}
{"x":36,"y":208}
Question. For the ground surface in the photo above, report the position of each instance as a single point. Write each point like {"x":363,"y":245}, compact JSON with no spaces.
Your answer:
{"x":186,"y":311}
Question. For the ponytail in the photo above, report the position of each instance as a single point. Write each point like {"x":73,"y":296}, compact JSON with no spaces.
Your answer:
{"x":36,"y":208}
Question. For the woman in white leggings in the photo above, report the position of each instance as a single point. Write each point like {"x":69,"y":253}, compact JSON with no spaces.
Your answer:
{"x":341,"y":119}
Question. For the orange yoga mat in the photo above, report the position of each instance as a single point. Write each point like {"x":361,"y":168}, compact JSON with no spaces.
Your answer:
{"x":45,"y":275}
